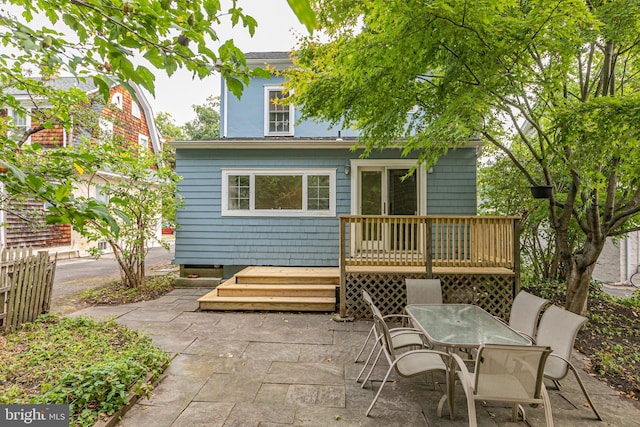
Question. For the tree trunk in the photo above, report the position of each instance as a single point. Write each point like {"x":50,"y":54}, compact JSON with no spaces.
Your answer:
{"x":580,"y":270}
{"x":578,"y":282}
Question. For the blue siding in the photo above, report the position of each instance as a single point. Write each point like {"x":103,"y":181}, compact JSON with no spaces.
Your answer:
{"x":245,"y":117}
{"x":205,"y":237}
{"x":451,"y":188}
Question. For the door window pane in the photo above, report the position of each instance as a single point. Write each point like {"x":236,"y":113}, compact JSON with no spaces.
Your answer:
{"x":403,"y":195}
{"x":371,"y":196}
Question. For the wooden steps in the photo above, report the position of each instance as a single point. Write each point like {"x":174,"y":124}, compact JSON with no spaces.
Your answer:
{"x":276,"y":289}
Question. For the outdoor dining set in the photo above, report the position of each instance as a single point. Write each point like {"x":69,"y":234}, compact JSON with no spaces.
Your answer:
{"x":491,"y":360}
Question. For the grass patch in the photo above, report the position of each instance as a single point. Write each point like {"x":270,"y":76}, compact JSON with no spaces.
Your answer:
{"x":118,"y":293}
{"x":611,"y":338}
{"x":91,"y":365}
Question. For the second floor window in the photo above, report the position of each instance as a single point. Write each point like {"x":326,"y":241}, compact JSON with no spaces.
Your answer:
{"x":135,"y":110}
{"x":21,"y":122}
{"x":278,"y":118}
{"x":116,"y":100}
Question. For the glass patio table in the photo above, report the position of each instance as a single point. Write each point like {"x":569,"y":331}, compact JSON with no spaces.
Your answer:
{"x":460,"y":326}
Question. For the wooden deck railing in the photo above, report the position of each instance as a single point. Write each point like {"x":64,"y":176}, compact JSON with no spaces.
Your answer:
{"x":429,"y":241}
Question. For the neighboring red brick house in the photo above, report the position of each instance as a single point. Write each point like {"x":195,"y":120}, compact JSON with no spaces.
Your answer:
{"x":124,"y":116}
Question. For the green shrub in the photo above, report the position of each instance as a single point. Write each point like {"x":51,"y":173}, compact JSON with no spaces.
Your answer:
{"x":88,"y":364}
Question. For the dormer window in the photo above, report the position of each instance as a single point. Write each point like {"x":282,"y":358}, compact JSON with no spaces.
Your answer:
{"x":116,"y":100}
{"x":278,"y":118}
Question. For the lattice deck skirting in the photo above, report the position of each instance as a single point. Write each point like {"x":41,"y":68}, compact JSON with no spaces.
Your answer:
{"x":492,"y":292}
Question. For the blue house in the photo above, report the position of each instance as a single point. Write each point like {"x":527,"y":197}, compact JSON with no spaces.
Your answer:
{"x":233,"y":218}
{"x":272,"y":189}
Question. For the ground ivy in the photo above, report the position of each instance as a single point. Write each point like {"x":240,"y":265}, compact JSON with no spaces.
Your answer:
{"x":90,"y":365}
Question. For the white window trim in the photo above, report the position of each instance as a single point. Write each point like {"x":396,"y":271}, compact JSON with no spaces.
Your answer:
{"x":252,"y":211}
{"x":106,"y":129}
{"x":356,"y":165}
{"x":27,"y":120}
{"x":116,"y":100}
{"x":135,"y":110}
{"x":267,"y":89}
{"x":143,"y":142}
{"x":99,"y":196}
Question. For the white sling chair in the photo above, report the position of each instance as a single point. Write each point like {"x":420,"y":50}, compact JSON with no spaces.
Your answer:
{"x":506,"y":373}
{"x":399,"y":337}
{"x":525,"y":312}
{"x":423,"y":291}
{"x":558,"y":329}
{"x":409,"y":364}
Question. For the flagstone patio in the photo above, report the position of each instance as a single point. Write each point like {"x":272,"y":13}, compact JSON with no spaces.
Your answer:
{"x":297,"y":369}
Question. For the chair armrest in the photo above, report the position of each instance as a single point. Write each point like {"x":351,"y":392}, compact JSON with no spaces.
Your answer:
{"x":393,"y":316}
{"x":561,"y":358}
{"x":404,"y":329}
{"x":464,"y":375}
{"x":529,"y":337}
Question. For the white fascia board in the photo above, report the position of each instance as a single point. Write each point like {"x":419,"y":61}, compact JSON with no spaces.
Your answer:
{"x":264,"y":144}
{"x":254,"y":144}
{"x":278,"y":64}
{"x":148,"y":114}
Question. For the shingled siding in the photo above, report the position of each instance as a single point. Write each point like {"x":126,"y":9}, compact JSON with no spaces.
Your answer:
{"x":452,"y":187}
{"x":34,"y":233}
{"x":204,"y":237}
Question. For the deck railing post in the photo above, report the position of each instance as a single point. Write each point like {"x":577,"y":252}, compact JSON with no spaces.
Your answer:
{"x":342,"y":261}
{"x":516,"y":256}
{"x":429,"y":254}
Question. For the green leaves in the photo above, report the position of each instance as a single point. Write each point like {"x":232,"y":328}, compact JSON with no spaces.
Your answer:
{"x":79,"y":361}
{"x":305,"y":13}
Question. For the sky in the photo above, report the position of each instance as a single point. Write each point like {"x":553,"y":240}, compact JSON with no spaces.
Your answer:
{"x":278,"y":30}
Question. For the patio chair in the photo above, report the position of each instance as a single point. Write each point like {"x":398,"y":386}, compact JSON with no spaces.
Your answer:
{"x":525,"y":312}
{"x":506,"y":373}
{"x":558,"y":329}
{"x":369,"y":301}
{"x":401,"y":337}
{"x":423,"y":291}
{"x":408,"y":364}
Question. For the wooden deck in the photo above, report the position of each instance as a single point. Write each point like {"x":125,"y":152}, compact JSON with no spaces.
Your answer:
{"x":276,"y":289}
{"x":308,"y":288}
{"x":435,"y":270}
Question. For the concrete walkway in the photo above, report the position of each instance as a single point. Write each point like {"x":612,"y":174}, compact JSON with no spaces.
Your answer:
{"x":291,"y":369}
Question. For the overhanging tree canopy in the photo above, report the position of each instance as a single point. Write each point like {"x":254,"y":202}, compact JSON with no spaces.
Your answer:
{"x":560,"y":78}
{"x":104,"y":42}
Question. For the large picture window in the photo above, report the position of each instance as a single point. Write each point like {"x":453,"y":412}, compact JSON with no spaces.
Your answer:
{"x":278,"y":192}
{"x":278,"y":118}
